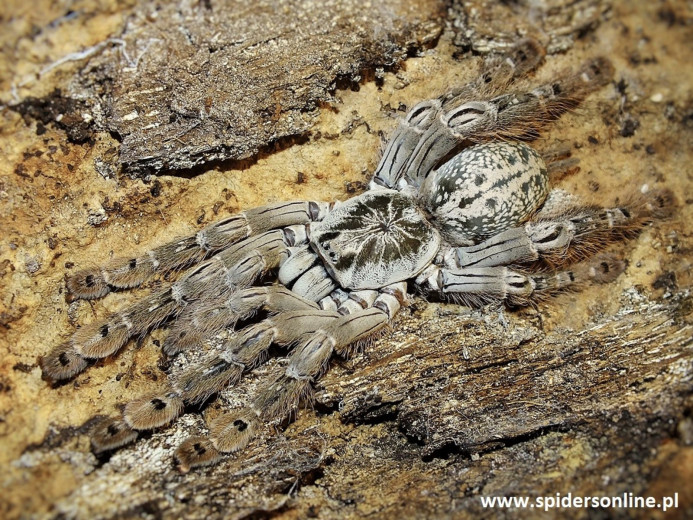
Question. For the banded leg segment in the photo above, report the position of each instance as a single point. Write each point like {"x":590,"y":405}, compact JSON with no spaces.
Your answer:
{"x":101,"y":339}
{"x":515,"y":116}
{"x":242,"y":352}
{"x":248,"y":348}
{"x":209,"y":319}
{"x":579,"y":232}
{"x":223,"y":274}
{"x":317,"y":335}
{"x":309,"y":359}
{"x":573,"y":235}
{"x":130,"y":272}
{"x":474,"y":286}
{"x":233,"y":269}
{"x":496,"y":74}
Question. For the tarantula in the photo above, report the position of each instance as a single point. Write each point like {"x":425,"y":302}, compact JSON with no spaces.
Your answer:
{"x":459,"y":208}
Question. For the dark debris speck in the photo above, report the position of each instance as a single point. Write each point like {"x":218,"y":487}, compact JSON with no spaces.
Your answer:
{"x":629,"y":126}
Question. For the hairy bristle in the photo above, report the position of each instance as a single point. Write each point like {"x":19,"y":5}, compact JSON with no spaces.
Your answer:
{"x":110,"y":434}
{"x":233,"y":431}
{"x":604,"y":268}
{"x":660,"y":203}
{"x":197,"y":323}
{"x":150,"y":312}
{"x":200,"y":382}
{"x":87,"y":284}
{"x":194,"y":452}
{"x":281,"y":397}
{"x":182,"y":338}
{"x":469,"y":299}
{"x":152,"y":411}
{"x":125,"y":273}
{"x":526,"y":56}
{"x":179,"y":254}
{"x":593,"y":228}
{"x":100,"y":340}
{"x":362,"y":345}
{"x":62,"y":363}
{"x":250,"y":346}
{"x":226,"y":232}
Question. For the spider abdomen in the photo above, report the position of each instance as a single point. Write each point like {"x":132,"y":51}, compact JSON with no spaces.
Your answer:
{"x":374,"y":240}
{"x":486,"y":189}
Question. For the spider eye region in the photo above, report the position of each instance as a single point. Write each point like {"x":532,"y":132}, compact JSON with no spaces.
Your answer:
{"x":373,"y":240}
{"x":486,"y":189}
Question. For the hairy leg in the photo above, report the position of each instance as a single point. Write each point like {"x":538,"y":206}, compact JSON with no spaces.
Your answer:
{"x":496,"y":74}
{"x":125,"y":273}
{"x":293,"y":384}
{"x":474,"y":286}
{"x":563,"y":236}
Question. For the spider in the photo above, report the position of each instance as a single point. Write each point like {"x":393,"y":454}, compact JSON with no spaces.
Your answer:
{"x":459,"y":209}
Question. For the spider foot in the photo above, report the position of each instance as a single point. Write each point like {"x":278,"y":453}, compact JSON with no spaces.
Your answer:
{"x":125,"y":273}
{"x":233,"y":431}
{"x":62,"y":363}
{"x":153,"y":411}
{"x":603,"y":268}
{"x":195,"y":452}
{"x":111,"y":434}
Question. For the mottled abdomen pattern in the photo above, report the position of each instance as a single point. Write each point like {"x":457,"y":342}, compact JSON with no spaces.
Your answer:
{"x":486,"y":189}
{"x":374,"y":240}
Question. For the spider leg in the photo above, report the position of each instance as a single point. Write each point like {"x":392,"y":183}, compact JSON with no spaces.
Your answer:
{"x":476,"y":286}
{"x":101,"y":339}
{"x":357,"y":301}
{"x":243,"y":351}
{"x":211,"y":311}
{"x":524,"y":115}
{"x":334,"y":300}
{"x":125,"y":273}
{"x":565,"y":237}
{"x":295,"y":319}
{"x":514,"y":115}
{"x":232,"y":269}
{"x":208,"y":296}
{"x":559,"y":163}
{"x":299,"y":270}
{"x":304,"y":274}
{"x":497,"y":72}
{"x":317,"y":335}
{"x":309,"y":358}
